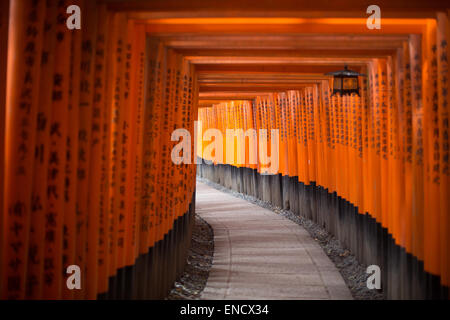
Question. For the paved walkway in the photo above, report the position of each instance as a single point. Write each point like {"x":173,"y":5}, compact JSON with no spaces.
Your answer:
{"x":261,"y":255}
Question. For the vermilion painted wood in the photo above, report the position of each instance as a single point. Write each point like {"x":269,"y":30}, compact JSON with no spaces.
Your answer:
{"x":20,"y":130}
{"x":37,"y":248}
{"x":4,"y":26}
{"x":386,"y":152}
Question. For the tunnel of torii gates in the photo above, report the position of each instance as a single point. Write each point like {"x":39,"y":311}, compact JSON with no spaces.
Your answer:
{"x":87,"y":117}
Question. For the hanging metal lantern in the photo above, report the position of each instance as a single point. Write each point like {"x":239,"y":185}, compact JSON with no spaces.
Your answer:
{"x":345,"y":81}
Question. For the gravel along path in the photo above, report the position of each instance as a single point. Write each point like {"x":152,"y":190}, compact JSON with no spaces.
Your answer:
{"x":198,"y":264}
{"x":352,"y":271}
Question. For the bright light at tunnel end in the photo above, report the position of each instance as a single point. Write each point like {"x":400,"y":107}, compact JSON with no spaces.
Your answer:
{"x":260,"y":144}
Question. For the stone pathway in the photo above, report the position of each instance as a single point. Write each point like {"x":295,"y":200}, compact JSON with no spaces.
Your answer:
{"x":261,"y":255}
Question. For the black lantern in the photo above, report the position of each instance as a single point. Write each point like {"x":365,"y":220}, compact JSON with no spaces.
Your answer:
{"x":345,"y":81}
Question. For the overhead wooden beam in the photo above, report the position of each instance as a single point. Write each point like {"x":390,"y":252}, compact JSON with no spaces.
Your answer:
{"x":205,"y":77}
{"x":262,"y":82}
{"x":264,"y":61}
{"x":331,"y":52}
{"x":263,"y":88}
{"x":281,"y":8}
{"x":224,"y":95}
